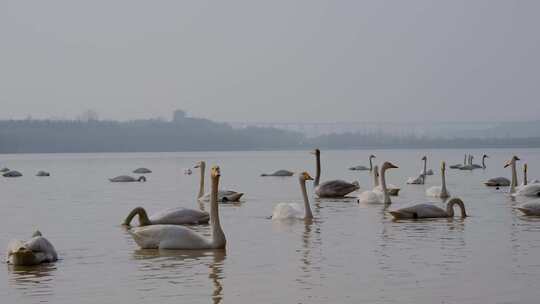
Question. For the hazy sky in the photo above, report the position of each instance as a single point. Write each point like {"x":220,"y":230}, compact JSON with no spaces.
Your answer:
{"x":272,"y":60}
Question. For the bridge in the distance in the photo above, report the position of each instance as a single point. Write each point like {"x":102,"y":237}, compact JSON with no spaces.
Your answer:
{"x":312,"y":129}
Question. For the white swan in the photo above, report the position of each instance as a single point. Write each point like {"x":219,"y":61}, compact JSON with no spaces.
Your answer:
{"x":180,"y":237}
{"x":279,"y":173}
{"x":429,"y":211}
{"x":514,"y":181}
{"x":35,"y":251}
{"x":393,"y":190}
{"x":333,"y":188}
{"x":127,"y":179}
{"x":12,"y":173}
{"x":458,"y":166}
{"x":172,"y":216}
{"x":43,"y":173}
{"x":483,"y":165}
{"x":142,"y":171}
{"x":364,"y":168}
{"x":529,"y":208}
{"x":421,"y":179}
{"x":426,"y":171}
{"x":224,"y":196}
{"x":293,"y":210}
{"x":376,"y":197}
{"x":439,"y":191}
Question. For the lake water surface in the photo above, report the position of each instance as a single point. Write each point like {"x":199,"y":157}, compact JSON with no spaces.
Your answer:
{"x":350,"y":253}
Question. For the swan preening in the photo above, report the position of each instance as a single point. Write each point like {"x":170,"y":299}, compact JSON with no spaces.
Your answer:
{"x":364,"y":168}
{"x":172,"y":216}
{"x":127,"y":179}
{"x":293,"y":210}
{"x":12,"y":173}
{"x":429,"y":211}
{"x":224,"y":196}
{"x":43,"y":173}
{"x":180,"y":237}
{"x":333,"y":188}
{"x":35,"y":251}
{"x":279,"y":173}
{"x":142,"y":171}
{"x":376,"y":197}
{"x":439,"y":191}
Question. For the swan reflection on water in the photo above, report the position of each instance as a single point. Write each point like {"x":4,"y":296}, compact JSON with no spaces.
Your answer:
{"x":33,"y":280}
{"x":178,"y":265}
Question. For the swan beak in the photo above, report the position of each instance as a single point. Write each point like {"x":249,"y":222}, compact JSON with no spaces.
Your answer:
{"x":307,"y":176}
{"x":507,"y":164}
{"x":392,"y":166}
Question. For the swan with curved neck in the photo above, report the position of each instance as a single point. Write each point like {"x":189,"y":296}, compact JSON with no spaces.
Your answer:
{"x":180,"y":237}
{"x":333,"y":188}
{"x":421,"y":179}
{"x":364,"y":168}
{"x":514,"y":181}
{"x":172,"y":216}
{"x":376,"y":197}
{"x":439,"y":191}
{"x":35,"y":251}
{"x":224,"y":196}
{"x":293,"y":210}
{"x":429,"y":211}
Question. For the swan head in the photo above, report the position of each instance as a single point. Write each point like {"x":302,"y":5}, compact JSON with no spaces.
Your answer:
{"x":304,"y":176}
{"x":443,"y":166}
{"x":485,"y":156}
{"x":525,"y":167}
{"x":388,"y":165}
{"x":141,"y":178}
{"x":316,"y":152}
{"x":424,"y":157}
{"x":512,"y":160}
{"x":200,"y":164}
{"x":215,"y":172}
{"x":372,"y":156}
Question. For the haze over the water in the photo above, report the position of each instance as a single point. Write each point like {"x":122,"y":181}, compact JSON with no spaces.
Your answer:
{"x":272,"y":60}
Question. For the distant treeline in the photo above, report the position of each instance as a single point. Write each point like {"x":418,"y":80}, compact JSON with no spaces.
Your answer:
{"x":194,"y":134}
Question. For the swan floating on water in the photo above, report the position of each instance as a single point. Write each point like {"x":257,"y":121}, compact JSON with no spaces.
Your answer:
{"x":35,"y":251}
{"x":420,"y":211}
{"x":224,"y":196}
{"x":127,"y":179}
{"x":376,"y":197}
{"x":393,"y":190}
{"x":172,"y":216}
{"x":12,"y":173}
{"x":364,"y":168}
{"x":180,"y":237}
{"x":332,"y":188}
{"x":43,"y":173}
{"x":525,"y":189}
{"x":142,"y":171}
{"x":293,"y":210}
{"x":426,"y":171}
{"x":421,"y":179}
{"x":279,"y":173}
{"x":483,"y":166}
{"x":439,"y":191}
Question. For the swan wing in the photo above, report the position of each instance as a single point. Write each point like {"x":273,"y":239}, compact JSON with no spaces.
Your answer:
{"x":168,"y":237}
{"x":180,"y":216}
{"x":336,"y":188}
{"x":529,"y":208}
{"x":529,"y":190}
{"x":288,"y":211}
{"x":40,"y":244}
{"x":370,"y":197}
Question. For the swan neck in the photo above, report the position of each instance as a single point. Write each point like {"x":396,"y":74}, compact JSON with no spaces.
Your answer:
{"x":318,"y":170}
{"x":143,"y":217}
{"x":450,"y":207}
{"x":375,"y":177}
{"x":525,"y":174}
{"x":307,"y":207}
{"x":370,"y":164}
{"x":514,"y":182}
{"x":425,"y":166}
{"x":386,"y":196}
{"x":465,"y":160}
{"x":444,"y":192}
{"x":201,"y":181}
{"x":484,"y":162}
{"x":218,"y":237}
